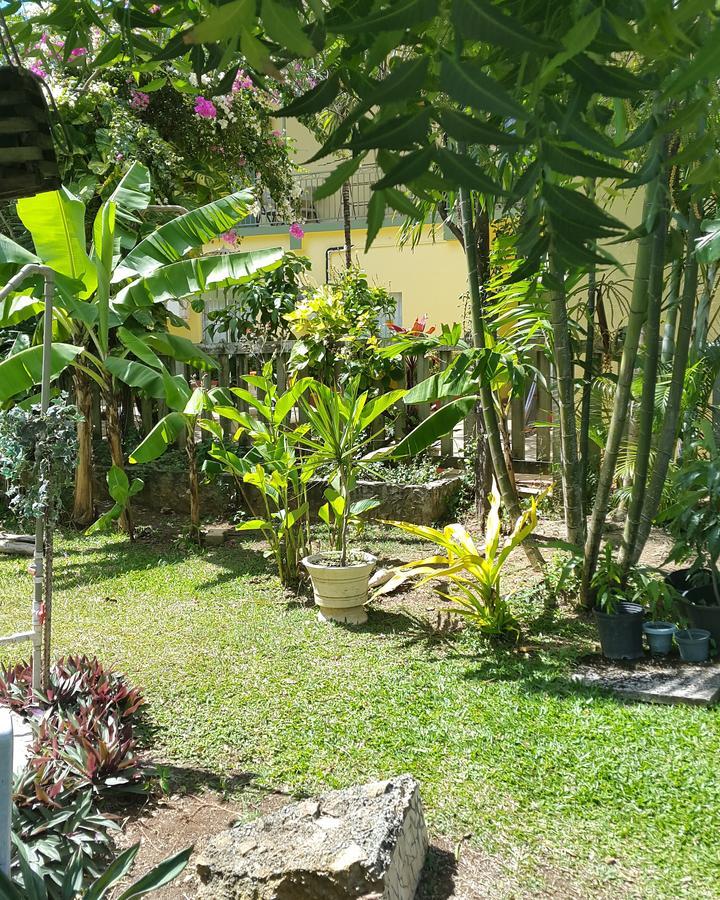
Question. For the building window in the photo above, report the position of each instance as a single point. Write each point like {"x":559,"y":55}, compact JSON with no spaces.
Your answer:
{"x":396,"y":318}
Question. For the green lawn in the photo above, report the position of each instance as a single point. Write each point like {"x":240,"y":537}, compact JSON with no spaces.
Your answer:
{"x":542,"y":773}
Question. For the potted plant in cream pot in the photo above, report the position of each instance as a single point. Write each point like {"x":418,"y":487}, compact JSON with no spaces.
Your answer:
{"x":338,"y":441}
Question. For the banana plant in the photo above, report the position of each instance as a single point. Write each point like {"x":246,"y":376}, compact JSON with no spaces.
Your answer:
{"x":121,"y":489}
{"x":113,"y":294}
{"x":474,"y":573}
{"x":181,"y":423}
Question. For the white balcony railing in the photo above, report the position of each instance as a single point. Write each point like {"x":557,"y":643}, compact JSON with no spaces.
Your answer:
{"x":310,"y":210}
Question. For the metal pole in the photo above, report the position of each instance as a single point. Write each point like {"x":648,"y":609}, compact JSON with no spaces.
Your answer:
{"x":38,"y":612}
{"x":6,"y":787}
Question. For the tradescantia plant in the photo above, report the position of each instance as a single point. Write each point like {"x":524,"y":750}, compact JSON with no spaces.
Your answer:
{"x":82,"y":752}
{"x":473,"y":573}
{"x":55,"y":828}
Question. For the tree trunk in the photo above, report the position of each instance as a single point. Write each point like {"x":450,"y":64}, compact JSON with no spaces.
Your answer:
{"x":191,"y":450}
{"x":647,"y":399}
{"x":505,"y":485}
{"x":114,"y":436}
{"x":483,"y":468}
{"x":636,"y":320}
{"x":84,"y":499}
{"x":702,"y":317}
{"x":483,"y":462}
{"x":570,"y":467}
{"x":671,"y":419}
{"x":585,"y":405}
{"x":347,"y":223}
{"x":668,"y":342}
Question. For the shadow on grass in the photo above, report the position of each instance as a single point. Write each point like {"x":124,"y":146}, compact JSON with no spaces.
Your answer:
{"x":97,"y":564}
{"x":437,"y":881}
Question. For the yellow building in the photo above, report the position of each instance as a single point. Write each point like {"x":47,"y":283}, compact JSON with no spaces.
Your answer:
{"x":428,"y":279}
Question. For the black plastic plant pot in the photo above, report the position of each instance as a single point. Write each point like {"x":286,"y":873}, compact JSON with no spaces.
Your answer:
{"x":698,"y":614}
{"x":682,"y":581}
{"x":621,"y":633}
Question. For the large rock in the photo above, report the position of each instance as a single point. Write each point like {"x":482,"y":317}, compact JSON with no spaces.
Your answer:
{"x":365,"y":842}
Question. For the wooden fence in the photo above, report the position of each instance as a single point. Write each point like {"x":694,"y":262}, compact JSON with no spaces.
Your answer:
{"x":528,"y":420}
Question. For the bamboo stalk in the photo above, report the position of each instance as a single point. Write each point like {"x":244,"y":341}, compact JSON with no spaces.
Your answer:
{"x":668,"y":341}
{"x":636,"y":320}
{"x":570,"y":466}
{"x":671,"y":420}
{"x":585,"y":404}
{"x":650,"y":376}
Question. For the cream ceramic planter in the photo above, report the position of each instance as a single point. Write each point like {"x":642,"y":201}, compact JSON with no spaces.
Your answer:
{"x":340,"y":591}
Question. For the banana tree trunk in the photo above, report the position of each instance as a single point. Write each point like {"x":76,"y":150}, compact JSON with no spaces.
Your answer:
{"x":114,"y":436}
{"x":194,"y":482}
{"x":84,"y":497}
{"x":636,"y":320}
{"x":646,"y":416}
{"x":570,"y":466}
{"x":508,"y":493}
{"x":671,"y":419}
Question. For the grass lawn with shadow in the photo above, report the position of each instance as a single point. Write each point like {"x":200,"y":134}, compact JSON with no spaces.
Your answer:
{"x":562,"y":784}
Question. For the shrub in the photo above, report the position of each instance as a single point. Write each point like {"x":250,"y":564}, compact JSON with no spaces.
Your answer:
{"x":83,"y":749}
{"x":83,"y":724}
{"x":75,"y":682}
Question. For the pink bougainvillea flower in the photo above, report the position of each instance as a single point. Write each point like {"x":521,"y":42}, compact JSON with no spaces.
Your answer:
{"x":205,"y":108}
{"x":38,"y":70}
{"x":242,"y":82}
{"x":230,"y":237}
{"x":296,"y":231}
{"x":139,"y":99}
{"x":79,"y":51}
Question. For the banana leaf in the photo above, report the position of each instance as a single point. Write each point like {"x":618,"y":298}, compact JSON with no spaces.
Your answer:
{"x":193,"y":276}
{"x":171,"y":241}
{"x":20,"y":372}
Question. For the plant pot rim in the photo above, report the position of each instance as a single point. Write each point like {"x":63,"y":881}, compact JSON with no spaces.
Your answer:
{"x":658,"y":626}
{"x":625,"y":608}
{"x":692,"y":635}
{"x":315,"y":560}
{"x":684,"y":598}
